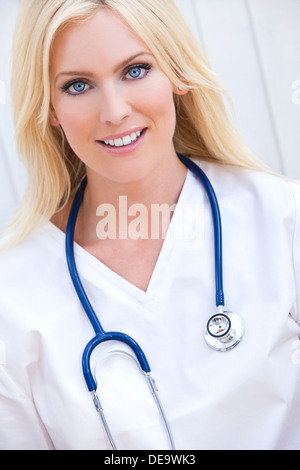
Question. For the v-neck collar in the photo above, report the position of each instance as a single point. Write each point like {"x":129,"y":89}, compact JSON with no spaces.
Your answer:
{"x":103,"y":277}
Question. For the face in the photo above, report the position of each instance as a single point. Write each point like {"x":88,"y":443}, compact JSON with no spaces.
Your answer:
{"x":112,"y":100}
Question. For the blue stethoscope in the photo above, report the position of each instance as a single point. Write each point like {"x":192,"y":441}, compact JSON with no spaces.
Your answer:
{"x":223,"y":331}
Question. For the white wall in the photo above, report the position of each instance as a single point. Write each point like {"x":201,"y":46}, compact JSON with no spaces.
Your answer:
{"x":253,"y":45}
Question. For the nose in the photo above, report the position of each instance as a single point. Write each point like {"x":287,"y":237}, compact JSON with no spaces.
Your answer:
{"x":114,"y":105}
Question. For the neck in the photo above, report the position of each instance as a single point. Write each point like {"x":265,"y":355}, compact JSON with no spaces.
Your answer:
{"x":161,"y":186}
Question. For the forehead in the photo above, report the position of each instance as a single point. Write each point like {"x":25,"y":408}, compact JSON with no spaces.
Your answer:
{"x":102,"y":38}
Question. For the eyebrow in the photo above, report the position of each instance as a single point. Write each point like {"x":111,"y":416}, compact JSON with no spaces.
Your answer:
{"x":91,"y":75}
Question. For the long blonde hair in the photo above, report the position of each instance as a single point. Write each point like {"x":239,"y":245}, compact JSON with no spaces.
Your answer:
{"x":204,"y":129}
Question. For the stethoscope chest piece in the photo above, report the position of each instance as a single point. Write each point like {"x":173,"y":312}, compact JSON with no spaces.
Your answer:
{"x":224,"y":331}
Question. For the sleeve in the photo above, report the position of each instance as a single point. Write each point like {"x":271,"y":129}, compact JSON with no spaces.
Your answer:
{"x":296,"y":249}
{"x":20,"y":426}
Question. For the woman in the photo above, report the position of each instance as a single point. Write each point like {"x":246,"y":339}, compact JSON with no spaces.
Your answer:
{"x":112,"y":91}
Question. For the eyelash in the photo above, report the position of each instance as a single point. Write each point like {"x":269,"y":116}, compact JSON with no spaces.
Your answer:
{"x":145,"y":67}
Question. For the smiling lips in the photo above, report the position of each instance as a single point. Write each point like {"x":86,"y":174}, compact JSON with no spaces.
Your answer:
{"x":123,"y":141}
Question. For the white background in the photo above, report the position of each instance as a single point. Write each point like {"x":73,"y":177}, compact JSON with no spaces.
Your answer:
{"x":253,"y":45}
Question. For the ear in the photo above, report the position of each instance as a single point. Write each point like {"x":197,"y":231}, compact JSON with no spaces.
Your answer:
{"x":54,"y":122}
{"x":180,"y":90}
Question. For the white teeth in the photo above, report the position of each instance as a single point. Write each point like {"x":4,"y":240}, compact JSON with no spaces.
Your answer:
{"x":127,"y":140}
{"x":118,"y":142}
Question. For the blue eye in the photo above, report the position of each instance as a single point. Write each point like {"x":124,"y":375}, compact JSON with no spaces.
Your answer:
{"x":79,"y":87}
{"x":76,"y":87}
{"x":137,"y":71}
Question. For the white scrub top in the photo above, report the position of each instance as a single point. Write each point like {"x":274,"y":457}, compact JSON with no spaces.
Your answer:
{"x":246,"y":398}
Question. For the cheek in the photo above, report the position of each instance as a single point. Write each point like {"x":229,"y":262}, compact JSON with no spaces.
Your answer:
{"x":74,"y":118}
{"x":160,"y":104}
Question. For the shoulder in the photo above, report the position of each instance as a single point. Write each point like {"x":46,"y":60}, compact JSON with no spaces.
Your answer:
{"x":28,"y":267}
{"x":238,"y":177}
{"x":28,"y":252}
{"x":269,"y":192}
{"x":262,"y":210}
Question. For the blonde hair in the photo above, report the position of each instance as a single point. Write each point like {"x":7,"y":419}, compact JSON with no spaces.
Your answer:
{"x":203,"y":128}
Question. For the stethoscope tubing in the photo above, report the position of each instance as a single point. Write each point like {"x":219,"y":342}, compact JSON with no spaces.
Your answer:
{"x":69,"y":245}
{"x":103,"y":336}
{"x":110,"y":336}
{"x":217,"y":224}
